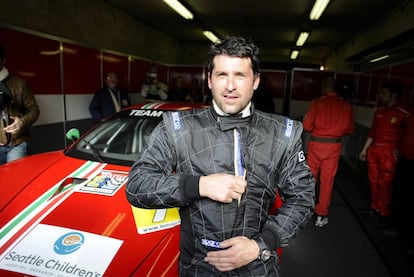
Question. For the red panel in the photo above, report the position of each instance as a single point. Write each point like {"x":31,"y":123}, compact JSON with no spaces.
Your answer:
{"x":364,"y":92}
{"x":82,"y":69}
{"x":401,"y":73}
{"x":162,"y":73}
{"x":33,"y":58}
{"x":349,"y":85}
{"x":275,"y":82}
{"x":117,"y":64}
{"x":187,"y":73}
{"x":404,"y":74}
{"x":139,"y":70}
{"x":403,"y":70}
{"x":307,"y":84}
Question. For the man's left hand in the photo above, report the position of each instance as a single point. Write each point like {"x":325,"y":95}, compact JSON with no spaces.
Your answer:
{"x":15,"y":126}
{"x":237,"y":252}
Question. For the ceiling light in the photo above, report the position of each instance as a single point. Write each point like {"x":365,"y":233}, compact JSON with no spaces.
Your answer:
{"x":211,"y":36}
{"x":318,"y":9}
{"x":302,"y":38}
{"x":179,"y":8}
{"x":294,"y":54}
{"x":379,"y":58}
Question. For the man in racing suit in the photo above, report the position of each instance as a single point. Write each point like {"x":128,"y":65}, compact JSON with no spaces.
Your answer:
{"x":381,"y":148}
{"x":223,"y":167}
{"x":328,"y":119}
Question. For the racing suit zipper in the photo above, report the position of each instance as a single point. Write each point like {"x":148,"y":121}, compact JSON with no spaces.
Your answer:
{"x":239,"y":168}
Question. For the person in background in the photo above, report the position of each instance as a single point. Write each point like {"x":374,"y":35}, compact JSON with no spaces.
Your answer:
{"x":109,"y":99}
{"x":402,"y":210}
{"x":381,"y":149}
{"x":223,"y":167}
{"x":196,"y":96}
{"x":209,"y":98}
{"x":263,"y":98}
{"x":178,"y":92}
{"x":328,"y":119}
{"x":153,"y":89}
{"x":19,"y":110}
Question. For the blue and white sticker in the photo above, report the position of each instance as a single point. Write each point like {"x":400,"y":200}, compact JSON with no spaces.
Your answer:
{"x":289,"y":126}
{"x":176,"y":120}
{"x":210,"y":243}
{"x":47,"y":250}
{"x":68,"y":243}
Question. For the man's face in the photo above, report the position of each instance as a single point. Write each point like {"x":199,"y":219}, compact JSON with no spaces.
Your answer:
{"x":111,"y":80}
{"x":152,"y":77}
{"x":232,"y":83}
{"x":385,"y":97}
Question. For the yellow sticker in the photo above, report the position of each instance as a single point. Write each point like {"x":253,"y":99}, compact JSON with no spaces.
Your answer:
{"x":152,"y":220}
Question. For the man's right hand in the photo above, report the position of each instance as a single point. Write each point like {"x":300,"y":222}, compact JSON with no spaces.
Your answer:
{"x":222,"y":187}
{"x":362,"y":156}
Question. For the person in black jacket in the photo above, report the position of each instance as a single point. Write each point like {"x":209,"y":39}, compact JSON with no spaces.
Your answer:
{"x":223,"y":167}
{"x":109,"y":99}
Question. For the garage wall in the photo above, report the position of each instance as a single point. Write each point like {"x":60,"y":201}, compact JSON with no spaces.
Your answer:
{"x":92,"y":23}
{"x":64,"y":75}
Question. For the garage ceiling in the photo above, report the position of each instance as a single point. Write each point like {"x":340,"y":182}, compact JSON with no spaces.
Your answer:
{"x":273,"y":25}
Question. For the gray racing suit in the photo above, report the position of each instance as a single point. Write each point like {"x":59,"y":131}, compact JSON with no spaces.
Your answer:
{"x":190,"y":144}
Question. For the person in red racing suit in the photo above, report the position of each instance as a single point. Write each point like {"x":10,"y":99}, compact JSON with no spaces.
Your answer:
{"x":381,"y":148}
{"x":328,"y":119}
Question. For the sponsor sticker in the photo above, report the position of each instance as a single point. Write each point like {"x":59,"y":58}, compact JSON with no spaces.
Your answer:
{"x":301,"y":156}
{"x":69,"y":243}
{"x":289,"y":126}
{"x":210,"y":243}
{"x":149,"y":113}
{"x":106,"y":182}
{"x":176,"y":120}
{"x":56,"y":251}
{"x":152,"y":220}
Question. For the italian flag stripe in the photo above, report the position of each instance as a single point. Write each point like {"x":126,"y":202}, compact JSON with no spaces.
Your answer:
{"x":152,"y":105}
{"x":42,"y":206}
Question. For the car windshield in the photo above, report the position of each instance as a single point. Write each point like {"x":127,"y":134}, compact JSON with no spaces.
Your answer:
{"x":119,"y":139}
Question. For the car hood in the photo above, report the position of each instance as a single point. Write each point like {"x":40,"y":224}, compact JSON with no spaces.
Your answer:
{"x":20,"y":173}
{"x":69,"y":215}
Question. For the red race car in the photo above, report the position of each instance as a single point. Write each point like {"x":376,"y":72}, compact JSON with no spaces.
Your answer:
{"x":64,"y":213}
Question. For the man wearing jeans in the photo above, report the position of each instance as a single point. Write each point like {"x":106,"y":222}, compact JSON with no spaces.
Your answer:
{"x":18,"y":111}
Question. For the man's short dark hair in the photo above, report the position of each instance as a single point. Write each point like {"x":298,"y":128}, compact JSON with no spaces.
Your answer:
{"x":2,"y":53}
{"x":329,"y":84}
{"x":235,"y":47}
{"x":393,"y":87}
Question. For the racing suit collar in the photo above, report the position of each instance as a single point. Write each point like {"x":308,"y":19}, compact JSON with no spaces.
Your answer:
{"x":228,"y":122}
{"x":245,"y":112}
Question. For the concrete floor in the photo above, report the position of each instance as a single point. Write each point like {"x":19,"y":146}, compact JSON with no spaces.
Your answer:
{"x":352,"y":244}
